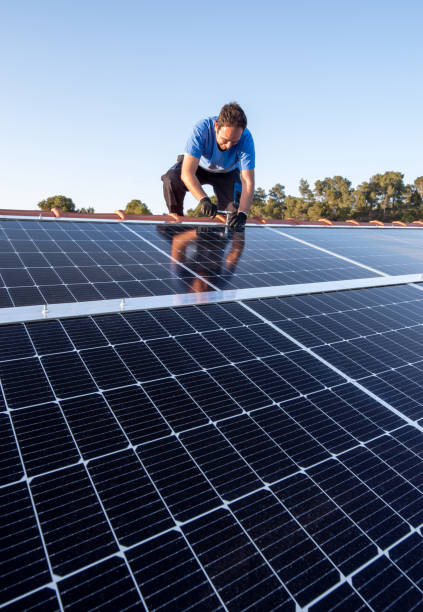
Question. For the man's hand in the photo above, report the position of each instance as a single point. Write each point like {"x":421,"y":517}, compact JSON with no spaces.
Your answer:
{"x":208,"y":209}
{"x":237,"y":221}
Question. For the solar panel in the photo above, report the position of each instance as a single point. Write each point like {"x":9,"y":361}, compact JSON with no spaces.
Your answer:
{"x":264,"y":454}
{"x":391,"y":251}
{"x":379,"y":345}
{"x":258,"y":258}
{"x":48,"y":262}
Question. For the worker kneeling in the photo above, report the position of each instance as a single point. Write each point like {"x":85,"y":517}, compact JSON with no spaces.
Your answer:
{"x":220,"y":153}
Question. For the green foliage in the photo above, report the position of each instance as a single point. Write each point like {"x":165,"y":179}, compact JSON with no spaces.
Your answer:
{"x":384,"y":196}
{"x":194,"y":212}
{"x":64,"y":203}
{"x":259,"y":202}
{"x":57,"y":201}
{"x":336,"y":195}
{"x":136,"y":207}
{"x":418,"y":183}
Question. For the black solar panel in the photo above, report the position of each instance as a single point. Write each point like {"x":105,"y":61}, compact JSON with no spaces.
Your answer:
{"x":265,"y":455}
{"x":52,"y":262}
{"x":388,"y":250}
{"x":258,"y":258}
{"x":381,"y":346}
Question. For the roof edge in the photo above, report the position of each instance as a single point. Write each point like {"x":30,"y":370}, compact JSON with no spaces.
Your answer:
{"x":56,"y":214}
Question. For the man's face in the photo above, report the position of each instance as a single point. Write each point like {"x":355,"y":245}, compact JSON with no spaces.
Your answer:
{"x":227,"y":136}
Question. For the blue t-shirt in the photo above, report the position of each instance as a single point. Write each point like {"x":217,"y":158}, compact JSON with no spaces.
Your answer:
{"x":202,"y":144}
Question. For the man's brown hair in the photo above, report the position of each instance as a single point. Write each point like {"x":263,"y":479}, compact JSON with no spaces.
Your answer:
{"x":232,"y":115}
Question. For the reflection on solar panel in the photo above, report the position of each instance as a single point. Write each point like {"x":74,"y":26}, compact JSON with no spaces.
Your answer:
{"x":258,"y":258}
{"x":261,"y":455}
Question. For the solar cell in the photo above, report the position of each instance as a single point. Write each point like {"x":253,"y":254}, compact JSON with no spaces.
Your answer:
{"x":296,"y":559}
{"x":168,"y":574}
{"x":27,"y":569}
{"x":381,"y":523}
{"x":82,"y":539}
{"x":344,"y":543}
{"x":235,"y":567}
{"x":383,"y":585}
{"x":108,"y":581}
{"x":181,"y":484}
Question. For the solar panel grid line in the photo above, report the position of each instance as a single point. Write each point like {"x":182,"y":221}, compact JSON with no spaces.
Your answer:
{"x":335,"y":369}
{"x":209,"y":449}
{"x":399,"y":457}
{"x":239,"y":560}
{"x":214,"y":589}
{"x":303,"y":388}
{"x":78,"y":352}
{"x":366,"y":508}
{"x":305,"y":517}
{"x":53,"y":577}
{"x":111,"y":574}
{"x":407,"y":555}
{"x":281,"y":465}
{"x":328,"y":252}
{"x":298,"y":594}
{"x":323,"y":430}
{"x":98,"y":499}
{"x":356,"y":458}
{"x":393,"y":590}
{"x":362,"y":428}
{"x":113,"y":533}
{"x":241,"y":380}
{"x":416,"y":286}
{"x":343,"y":596}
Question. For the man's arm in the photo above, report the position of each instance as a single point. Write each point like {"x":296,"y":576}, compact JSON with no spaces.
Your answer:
{"x":247,"y":195}
{"x":189,"y":168}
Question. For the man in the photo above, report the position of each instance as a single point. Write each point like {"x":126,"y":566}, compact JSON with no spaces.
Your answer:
{"x":219,"y":152}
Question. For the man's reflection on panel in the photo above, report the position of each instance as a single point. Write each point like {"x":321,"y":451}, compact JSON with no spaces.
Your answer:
{"x":210,"y":252}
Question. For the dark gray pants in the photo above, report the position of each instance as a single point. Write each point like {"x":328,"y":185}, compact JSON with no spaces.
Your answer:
{"x":226,"y":186}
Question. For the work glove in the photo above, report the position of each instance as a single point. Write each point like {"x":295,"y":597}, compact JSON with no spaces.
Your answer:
{"x":237,"y":221}
{"x":208,"y":209}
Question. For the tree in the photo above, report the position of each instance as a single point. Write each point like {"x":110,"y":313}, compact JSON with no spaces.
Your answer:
{"x":306,"y":192}
{"x":275,"y":202}
{"x":259,"y":202}
{"x":336,"y":195}
{"x":295,"y":208}
{"x":419,"y":185}
{"x":86,"y":211}
{"x":136,"y":207}
{"x":57,"y":201}
{"x":389,"y":188}
{"x":365,"y":201}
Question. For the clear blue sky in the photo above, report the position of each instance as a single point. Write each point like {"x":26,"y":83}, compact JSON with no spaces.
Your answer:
{"x":98,"y":97}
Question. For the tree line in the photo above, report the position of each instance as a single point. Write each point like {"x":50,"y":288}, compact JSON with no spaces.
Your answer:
{"x":134,"y":207}
{"x":384,"y":197}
